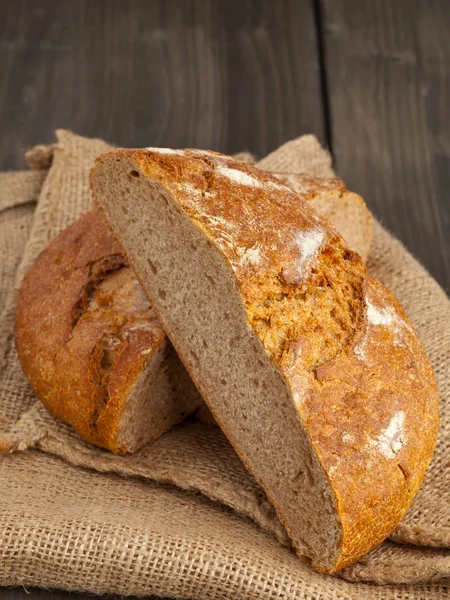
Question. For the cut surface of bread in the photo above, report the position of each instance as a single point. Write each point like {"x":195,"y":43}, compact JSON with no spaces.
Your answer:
{"x":308,"y":364}
{"x":92,"y":347}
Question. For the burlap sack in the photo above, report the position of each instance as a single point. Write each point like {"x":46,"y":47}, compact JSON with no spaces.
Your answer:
{"x":18,"y":195}
{"x":76,"y":529}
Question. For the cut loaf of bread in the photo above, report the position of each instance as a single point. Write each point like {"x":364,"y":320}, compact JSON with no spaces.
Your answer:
{"x":128,"y":419}
{"x":308,"y":364}
{"x":92,"y":347}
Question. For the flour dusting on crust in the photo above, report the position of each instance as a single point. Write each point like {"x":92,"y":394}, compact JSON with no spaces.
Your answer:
{"x":190,"y":189}
{"x":196,"y":195}
{"x":391,"y":440}
{"x":241,"y":178}
{"x":309,"y":243}
{"x":378,"y":316}
{"x":252,"y":255}
{"x":237,"y":176}
{"x":278,"y":186}
{"x":382,"y":317}
{"x":164,"y":150}
{"x":211,"y":154}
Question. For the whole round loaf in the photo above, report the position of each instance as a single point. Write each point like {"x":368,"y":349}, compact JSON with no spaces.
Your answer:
{"x":309,"y":365}
{"x":92,"y":347}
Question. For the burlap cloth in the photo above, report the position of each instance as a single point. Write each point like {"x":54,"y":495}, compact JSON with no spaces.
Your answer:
{"x":188,"y":521}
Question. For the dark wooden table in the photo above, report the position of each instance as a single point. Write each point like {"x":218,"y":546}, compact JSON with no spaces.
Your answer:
{"x":369,"y":77}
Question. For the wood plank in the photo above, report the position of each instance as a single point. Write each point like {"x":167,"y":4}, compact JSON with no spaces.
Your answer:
{"x":227,"y":75}
{"x":388,"y":75}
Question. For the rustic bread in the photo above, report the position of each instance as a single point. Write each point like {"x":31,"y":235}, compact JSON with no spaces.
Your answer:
{"x":155,"y":412}
{"x":93,"y":348}
{"x":309,"y":365}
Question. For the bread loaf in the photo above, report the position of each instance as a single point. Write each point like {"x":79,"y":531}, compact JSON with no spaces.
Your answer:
{"x":308,"y":364}
{"x":40,"y":300}
{"x":93,"y":348}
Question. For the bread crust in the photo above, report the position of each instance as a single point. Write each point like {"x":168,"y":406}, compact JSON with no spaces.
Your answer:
{"x":345,"y":210}
{"x":85,"y":330}
{"x":371,"y":407}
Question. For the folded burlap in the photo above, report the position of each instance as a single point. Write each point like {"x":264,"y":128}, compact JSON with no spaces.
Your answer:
{"x":188,"y":521}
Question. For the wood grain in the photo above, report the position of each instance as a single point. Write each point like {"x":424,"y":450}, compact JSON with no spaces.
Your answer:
{"x":229,"y":75}
{"x":388,"y":76}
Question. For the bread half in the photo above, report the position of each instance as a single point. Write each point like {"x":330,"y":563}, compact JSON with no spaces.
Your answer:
{"x":308,"y":364}
{"x":92,"y":347}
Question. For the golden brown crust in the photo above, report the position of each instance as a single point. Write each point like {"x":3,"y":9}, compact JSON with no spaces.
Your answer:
{"x":372,"y":414}
{"x":371,"y":406}
{"x":345,"y":210}
{"x":85,"y":330}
